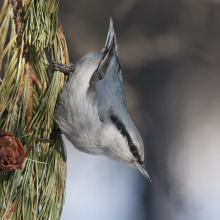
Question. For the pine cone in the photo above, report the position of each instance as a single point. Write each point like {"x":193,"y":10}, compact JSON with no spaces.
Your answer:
{"x":12,"y":152}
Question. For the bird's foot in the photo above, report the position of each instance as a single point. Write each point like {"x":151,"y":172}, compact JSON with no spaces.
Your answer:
{"x":63,"y":68}
{"x":53,"y":135}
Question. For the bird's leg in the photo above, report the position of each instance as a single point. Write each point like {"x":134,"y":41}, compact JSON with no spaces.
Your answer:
{"x":53,"y":135}
{"x":63,"y":68}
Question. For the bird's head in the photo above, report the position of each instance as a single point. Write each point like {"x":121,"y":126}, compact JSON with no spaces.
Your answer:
{"x":124,"y":142}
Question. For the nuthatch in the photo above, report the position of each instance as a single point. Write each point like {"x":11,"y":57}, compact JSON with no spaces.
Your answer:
{"x":92,"y":110}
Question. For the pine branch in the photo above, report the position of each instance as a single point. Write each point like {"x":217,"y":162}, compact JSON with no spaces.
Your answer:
{"x":29,"y":91}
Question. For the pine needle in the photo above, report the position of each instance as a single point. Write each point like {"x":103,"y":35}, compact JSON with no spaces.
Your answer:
{"x":35,"y":161}
{"x":28,"y":96}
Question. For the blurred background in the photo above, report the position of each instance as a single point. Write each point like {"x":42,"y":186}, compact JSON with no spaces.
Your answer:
{"x":170,"y":57}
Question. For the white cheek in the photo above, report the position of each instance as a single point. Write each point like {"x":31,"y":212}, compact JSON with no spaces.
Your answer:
{"x":116,"y":143}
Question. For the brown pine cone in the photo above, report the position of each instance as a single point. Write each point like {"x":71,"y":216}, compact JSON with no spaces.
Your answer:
{"x":12,"y":152}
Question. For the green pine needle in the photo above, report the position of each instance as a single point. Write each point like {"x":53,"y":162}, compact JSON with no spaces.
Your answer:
{"x":28,"y":93}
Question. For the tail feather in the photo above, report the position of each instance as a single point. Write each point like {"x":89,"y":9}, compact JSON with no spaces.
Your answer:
{"x":109,"y":51}
{"x":111,"y":37}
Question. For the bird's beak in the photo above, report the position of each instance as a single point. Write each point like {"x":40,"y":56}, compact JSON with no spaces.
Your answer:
{"x":143,"y":170}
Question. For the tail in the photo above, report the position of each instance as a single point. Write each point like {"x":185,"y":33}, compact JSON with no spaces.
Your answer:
{"x":111,"y":41}
{"x":109,"y":51}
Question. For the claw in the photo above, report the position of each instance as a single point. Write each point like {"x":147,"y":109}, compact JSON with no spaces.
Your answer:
{"x":63,"y":68}
{"x":53,"y":135}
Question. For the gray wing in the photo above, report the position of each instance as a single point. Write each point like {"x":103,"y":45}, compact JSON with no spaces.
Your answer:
{"x":106,"y":83}
{"x":110,"y":94}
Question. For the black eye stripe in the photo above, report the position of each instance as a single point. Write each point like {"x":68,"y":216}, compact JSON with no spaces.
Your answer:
{"x":121,"y":127}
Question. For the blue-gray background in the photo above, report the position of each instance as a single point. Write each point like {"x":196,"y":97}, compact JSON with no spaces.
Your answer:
{"x":170,"y":57}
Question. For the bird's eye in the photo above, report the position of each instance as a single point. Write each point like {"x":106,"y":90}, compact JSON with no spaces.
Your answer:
{"x":133,"y":148}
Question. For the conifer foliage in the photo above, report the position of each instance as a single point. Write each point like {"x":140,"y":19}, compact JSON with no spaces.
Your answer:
{"x":30,"y":37}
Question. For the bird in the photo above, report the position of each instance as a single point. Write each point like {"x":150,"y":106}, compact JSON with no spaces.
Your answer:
{"x":92,"y":109}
